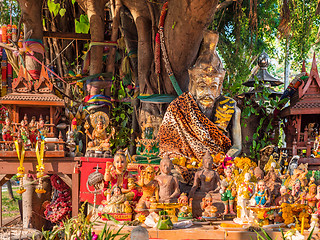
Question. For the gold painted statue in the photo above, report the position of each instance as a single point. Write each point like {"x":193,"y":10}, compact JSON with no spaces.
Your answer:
{"x":99,"y":137}
{"x":149,"y":187}
{"x":202,"y":119}
{"x":116,"y":202}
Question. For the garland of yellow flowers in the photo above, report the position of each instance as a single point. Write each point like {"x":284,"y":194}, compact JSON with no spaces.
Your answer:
{"x":40,"y":166}
{"x":20,"y":173}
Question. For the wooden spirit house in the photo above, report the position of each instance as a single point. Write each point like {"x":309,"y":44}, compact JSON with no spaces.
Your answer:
{"x":302,"y":116}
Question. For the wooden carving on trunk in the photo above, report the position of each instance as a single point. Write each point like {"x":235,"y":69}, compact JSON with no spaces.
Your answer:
{"x":22,"y":83}
{"x":43,"y":85}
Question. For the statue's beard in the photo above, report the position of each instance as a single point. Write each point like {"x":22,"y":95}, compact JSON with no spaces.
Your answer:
{"x":207,"y":111}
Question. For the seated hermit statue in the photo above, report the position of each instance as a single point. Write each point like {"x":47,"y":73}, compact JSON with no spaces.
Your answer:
{"x":202,"y":119}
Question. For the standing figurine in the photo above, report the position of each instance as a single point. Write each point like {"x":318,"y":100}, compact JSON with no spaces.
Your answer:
{"x":24,"y":134}
{"x":43,"y":130}
{"x":296,"y":192}
{"x":33,"y":132}
{"x":7,"y":131}
{"x":168,"y":184}
{"x":228,"y":191}
{"x":311,"y":196}
{"x":149,"y":187}
{"x":261,"y":196}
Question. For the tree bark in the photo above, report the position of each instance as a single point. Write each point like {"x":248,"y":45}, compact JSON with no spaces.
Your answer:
{"x":32,"y":19}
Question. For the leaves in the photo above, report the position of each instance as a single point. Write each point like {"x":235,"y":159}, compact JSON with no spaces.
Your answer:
{"x":53,"y":7}
{"x":62,"y":12}
{"x":83,"y":25}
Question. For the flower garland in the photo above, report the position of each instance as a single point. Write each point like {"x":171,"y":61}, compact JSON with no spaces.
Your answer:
{"x":40,"y":166}
{"x":20,"y":173}
{"x":60,"y":206}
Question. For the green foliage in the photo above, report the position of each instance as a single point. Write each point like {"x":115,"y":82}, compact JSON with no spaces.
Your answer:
{"x":83,"y":25}
{"x":262,"y":105}
{"x":55,"y":8}
{"x":120,"y":116}
{"x":9,"y":8}
{"x":81,"y":228}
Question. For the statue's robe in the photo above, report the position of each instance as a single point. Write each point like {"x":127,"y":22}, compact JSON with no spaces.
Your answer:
{"x":186,"y":131}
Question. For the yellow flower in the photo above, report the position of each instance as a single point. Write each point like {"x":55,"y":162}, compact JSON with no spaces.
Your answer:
{"x":142,"y":218}
{"x":21,"y":190}
{"x":40,"y":190}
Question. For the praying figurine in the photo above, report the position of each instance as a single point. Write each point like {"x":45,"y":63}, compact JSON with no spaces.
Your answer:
{"x":228,"y":191}
{"x":202,"y":119}
{"x":261,"y":196}
{"x":168,"y":184}
{"x":209,"y":210}
{"x":185,"y":211}
{"x":149,"y":187}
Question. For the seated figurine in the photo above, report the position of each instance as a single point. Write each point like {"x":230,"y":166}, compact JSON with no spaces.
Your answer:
{"x":148,"y":145}
{"x":185,"y":211}
{"x":261,"y":196}
{"x":116,"y":202}
{"x":209,"y":210}
{"x":202,"y":119}
{"x":168,"y":184}
{"x":284,"y":196}
{"x":228,"y":191}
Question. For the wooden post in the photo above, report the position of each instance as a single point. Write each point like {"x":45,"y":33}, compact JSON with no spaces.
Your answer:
{"x":305,"y":134}
{"x":294,"y":147}
{"x":1,"y":206}
{"x":75,"y":190}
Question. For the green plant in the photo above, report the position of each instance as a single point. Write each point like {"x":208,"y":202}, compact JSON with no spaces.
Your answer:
{"x":83,"y":25}
{"x":81,"y":227}
{"x":55,"y":8}
{"x":285,"y":236}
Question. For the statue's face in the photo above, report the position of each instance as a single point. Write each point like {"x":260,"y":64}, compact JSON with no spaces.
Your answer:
{"x":208,"y":89}
{"x":117,"y":191}
{"x":247,"y":177}
{"x":100,"y":125}
{"x":283,"y":191}
{"x":261,"y":186}
{"x":165,"y":167}
{"x":150,"y":174}
{"x":229,"y":172}
{"x":207,"y":163}
{"x":120,"y":163}
{"x":313,"y":189}
{"x":7,"y":121}
{"x":184,"y":200}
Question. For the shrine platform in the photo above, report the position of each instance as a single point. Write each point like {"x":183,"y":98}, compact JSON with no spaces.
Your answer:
{"x":201,"y":231}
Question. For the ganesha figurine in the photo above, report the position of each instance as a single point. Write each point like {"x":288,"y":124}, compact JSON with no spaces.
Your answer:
{"x":209,"y":211}
{"x":185,"y":211}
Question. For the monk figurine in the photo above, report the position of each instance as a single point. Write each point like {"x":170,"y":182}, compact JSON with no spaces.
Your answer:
{"x":116,"y":173}
{"x":228,"y":191}
{"x":185,"y":211}
{"x":207,"y":178}
{"x":7,"y":131}
{"x":202,"y":119}
{"x":149,"y":187}
{"x":168,"y":184}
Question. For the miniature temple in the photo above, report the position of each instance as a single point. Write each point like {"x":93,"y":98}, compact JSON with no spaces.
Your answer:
{"x":302,"y":116}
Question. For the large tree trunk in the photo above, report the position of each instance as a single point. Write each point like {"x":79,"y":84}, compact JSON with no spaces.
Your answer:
{"x":32,"y":19}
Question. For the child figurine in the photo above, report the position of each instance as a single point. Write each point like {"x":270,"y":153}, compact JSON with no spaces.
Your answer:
{"x":207,"y":206}
{"x":185,"y":211}
{"x":261,"y":196}
{"x":228,"y":191}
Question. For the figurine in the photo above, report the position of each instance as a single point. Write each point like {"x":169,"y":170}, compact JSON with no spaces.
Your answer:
{"x":261,"y":196}
{"x":74,"y":135}
{"x":116,"y":173}
{"x":185,"y":211}
{"x":311,"y":196}
{"x":299,"y":173}
{"x":273,"y":183}
{"x":284,"y":196}
{"x":207,"y":207}
{"x":116,"y":202}
{"x":149,"y":187}
{"x":25,"y":118}
{"x":258,"y":173}
{"x":99,"y":136}
{"x":245,"y":192}
{"x":202,"y":119}
{"x":33,"y":132}
{"x":265,"y":154}
{"x":207,"y":178}
{"x":24,"y":134}
{"x":228,"y":191}
{"x":7,"y":131}
{"x":42,"y":129}
{"x":134,"y":194}
{"x":296,"y":192}
{"x":148,"y":145}
{"x":316,"y":147}
{"x":168,"y":185}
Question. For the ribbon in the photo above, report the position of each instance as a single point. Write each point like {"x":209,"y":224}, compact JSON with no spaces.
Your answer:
{"x":21,"y":158}
{"x":40,"y":154}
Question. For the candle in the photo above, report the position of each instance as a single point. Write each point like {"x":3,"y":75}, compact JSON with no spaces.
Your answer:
{"x":302,"y":226}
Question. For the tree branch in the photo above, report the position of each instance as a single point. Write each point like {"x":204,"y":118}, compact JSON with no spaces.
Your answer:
{"x":224,"y":4}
